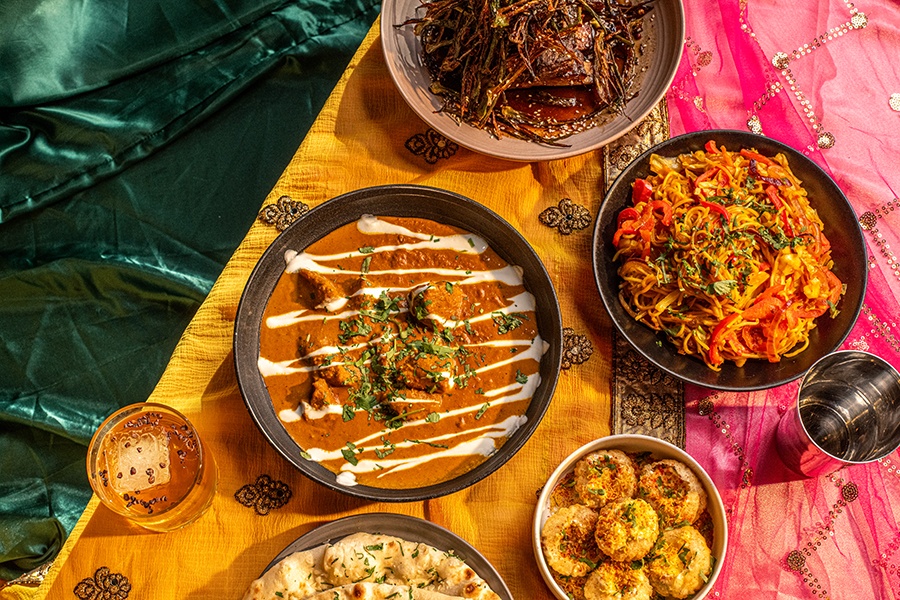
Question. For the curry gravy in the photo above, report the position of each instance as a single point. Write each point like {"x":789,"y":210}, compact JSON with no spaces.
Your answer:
{"x":400,"y":352}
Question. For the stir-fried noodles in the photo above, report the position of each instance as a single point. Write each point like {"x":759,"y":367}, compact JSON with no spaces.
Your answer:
{"x":722,"y":252}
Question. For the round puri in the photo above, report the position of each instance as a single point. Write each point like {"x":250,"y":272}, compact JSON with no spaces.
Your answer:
{"x":568,"y":540}
{"x":605,"y":476}
{"x":681,"y":564}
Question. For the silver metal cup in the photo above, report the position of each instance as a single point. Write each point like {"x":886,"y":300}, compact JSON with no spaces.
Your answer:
{"x":847,"y":412}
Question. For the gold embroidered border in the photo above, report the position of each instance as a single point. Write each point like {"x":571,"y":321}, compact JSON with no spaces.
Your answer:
{"x":645,"y":399}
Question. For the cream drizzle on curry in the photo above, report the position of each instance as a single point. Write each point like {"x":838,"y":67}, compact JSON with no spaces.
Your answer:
{"x":400,"y":352}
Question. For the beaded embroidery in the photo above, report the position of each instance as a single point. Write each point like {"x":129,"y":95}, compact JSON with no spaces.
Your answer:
{"x":104,"y":585}
{"x":567,"y":216}
{"x":782,"y":60}
{"x":264,"y":495}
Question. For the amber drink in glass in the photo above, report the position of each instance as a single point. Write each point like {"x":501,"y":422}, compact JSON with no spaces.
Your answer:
{"x":147,"y":463}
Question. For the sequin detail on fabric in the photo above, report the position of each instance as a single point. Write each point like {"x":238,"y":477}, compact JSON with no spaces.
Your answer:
{"x":707,"y":408}
{"x":566,"y":217}
{"x":104,"y":585}
{"x":894,"y":102}
{"x":431,"y":146}
{"x":796,"y":560}
{"x":782,"y":61}
{"x":265,"y":495}
{"x":283,"y":212}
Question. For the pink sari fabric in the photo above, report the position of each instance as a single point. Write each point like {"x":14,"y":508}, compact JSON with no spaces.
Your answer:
{"x":835,"y":95}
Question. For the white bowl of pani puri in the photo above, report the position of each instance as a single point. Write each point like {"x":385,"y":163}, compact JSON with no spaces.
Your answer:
{"x":629,"y":517}
{"x":398,"y":343}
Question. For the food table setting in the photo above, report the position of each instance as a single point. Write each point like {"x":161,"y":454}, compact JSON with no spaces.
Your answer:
{"x":736,"y":85}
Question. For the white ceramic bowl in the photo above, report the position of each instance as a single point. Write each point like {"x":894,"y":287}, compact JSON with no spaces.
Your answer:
{"x":658,"y":450}
{"x":663,"y":37}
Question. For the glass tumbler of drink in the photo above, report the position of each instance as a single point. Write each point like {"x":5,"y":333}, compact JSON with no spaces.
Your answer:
{"x":147,"y":462}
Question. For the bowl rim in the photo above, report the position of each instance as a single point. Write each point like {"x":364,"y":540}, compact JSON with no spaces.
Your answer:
{"x":391,"y":200}
{"x":670,"y":59}
{"x":730,"y":377}
{"x":401,"y":526}
{"x":617,"y":441}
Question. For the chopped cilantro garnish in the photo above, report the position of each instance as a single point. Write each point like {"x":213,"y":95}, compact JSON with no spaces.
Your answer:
{"x":507,"y":322}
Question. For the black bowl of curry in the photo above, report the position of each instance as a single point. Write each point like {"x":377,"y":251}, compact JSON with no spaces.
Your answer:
{"x":398,"y":343}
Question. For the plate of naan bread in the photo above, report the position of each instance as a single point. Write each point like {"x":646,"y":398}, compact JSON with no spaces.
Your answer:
{"x":379,"y":556}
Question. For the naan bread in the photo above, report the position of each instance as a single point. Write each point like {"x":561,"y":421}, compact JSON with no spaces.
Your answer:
{"x":295,"y":577}
{"x":374,"y":560}
{"x":372,"y":557}
{"x":378,"y":591}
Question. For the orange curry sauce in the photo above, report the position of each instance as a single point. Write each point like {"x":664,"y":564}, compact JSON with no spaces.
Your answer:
{"x":400,"y":352}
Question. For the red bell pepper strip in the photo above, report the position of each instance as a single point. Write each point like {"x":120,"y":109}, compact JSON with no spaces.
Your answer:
{"x":772,"y":193}
{"x":641,"y":191}
{"x":718,"y":331}
{"x":763,"y":308}
{"x":711,"y":147}
{"x":704,"y":176}
{"x":617,"y":236}
{"x":666,"y":209}
{"x":756,"y":156}
{"x":813,"y":310}
{"x":765,"y":304}
{"x":717,"y":208}
{"x":627,"y":214}
{"x":837,"y":287}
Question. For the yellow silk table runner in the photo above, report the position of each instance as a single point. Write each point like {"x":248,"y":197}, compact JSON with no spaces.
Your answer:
{"x":365,"y":136}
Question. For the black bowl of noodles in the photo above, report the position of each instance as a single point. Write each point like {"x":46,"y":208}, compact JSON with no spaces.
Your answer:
{"x":839,"y":225}
{"x":373,"y":235}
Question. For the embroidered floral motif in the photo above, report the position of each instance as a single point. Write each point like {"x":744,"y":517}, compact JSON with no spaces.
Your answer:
{"x":653,"y":410}
{"x":104,"y":585}
{"x":755,"y":125}
{"x":850,"y":492}
{"x":567,"y":216}
{"x":431,"y":145}
{"x":868,"y":220}
{"x":795,"y":560}
{"x":703,"y":57}
{"x":264,"y":495}
{"x":649,"y":132}
{"x":576,"y":348}
{"x":646,"y":400}
{"x":283,"y":212}
{"x":825,"y":140}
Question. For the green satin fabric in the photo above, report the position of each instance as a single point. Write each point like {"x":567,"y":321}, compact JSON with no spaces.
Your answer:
{"x":137,"y":142}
